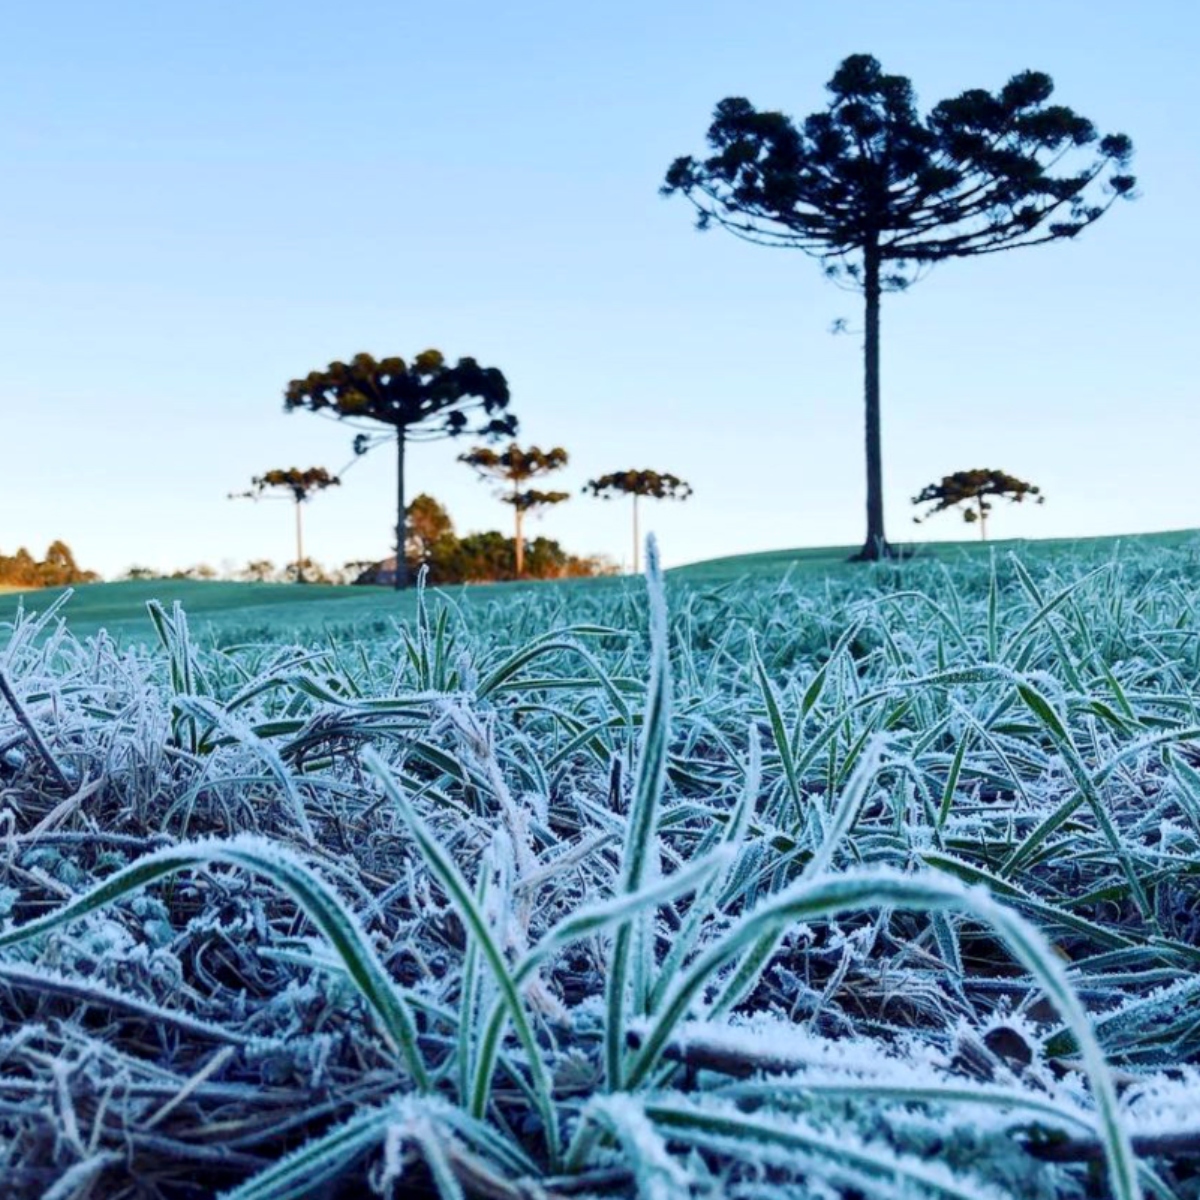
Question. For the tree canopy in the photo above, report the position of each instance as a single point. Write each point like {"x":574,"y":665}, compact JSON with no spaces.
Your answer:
{"x":425,"y":399}
{"x":302,"y":484}
{"x":417,"y":401}
{"x":877,"y":192}
{"x":974,"y":488}
{"x":513,"y":467}
{"x":657,"y":485}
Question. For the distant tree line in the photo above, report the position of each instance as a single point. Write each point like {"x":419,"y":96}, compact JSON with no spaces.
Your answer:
{"x":490,"y":557}
{"x":57,"y":569}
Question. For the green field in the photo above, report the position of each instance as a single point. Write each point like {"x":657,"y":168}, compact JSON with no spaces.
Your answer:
{"x":222,"y":610}
{"x":782,"y":877}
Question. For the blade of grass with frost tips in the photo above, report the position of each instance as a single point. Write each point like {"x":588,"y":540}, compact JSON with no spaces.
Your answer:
{"x":724,"y":1129}
{"x":32,"y":733}
{"x":323,"y":1159}
{"x":828,"y":896}
{"x":548,"y":644}
{"x":783,"y":745}
{"x":586,"y":922}
{"x":1064,"y":743}
{"x":448,"y":1187}
{"x":317,"y":1162}
{"x":748,"y":970}
{"x":1117,"y":690}
{"x":993,"y":641}
{"x":972,"y":873}
{"x":656,"y":1175}
{"x":815,"y":1083}
{"x":955,"y":627}
{"x":444,"y":870}
{"x":952,"y":780}
{"x":319,"y":902}
{"x":469,"y":997}
{"x":1045,"y":609}
{"x":848,"y":806}
{"x":1026,"y":580}
{"x":26,"y":629}
{"x":173,"y":634}
{"x":813,"y":692}
{"x":731,"y":838}
{"x":199,"y":707}
{"x":641,"y":834}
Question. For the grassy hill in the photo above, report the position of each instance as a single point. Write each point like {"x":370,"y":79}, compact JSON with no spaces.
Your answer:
{"x":247,"y":609}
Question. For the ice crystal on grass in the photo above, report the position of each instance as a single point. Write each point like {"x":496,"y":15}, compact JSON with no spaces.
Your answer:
{"x":488,"y":903}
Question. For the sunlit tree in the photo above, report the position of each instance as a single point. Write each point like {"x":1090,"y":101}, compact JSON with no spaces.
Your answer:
{"x":975,"y":490}
{"x":426,"y":525}
{"x":876,"y":192}
{"x":258,"y":570}
{"x":651,"y":484}
{"x":419,"y":401}
{"x":512,"y":468}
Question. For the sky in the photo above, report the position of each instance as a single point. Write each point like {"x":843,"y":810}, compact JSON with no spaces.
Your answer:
{"x":201,"y":202}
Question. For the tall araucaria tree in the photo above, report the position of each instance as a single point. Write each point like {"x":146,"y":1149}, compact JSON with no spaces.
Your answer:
{"x":876,"y":192}
{"x":973,"y":490}
{"x":657,"y":486}
{"x":419,"y":401}
{"x":513,"y":467}
{"x":302,"y":485}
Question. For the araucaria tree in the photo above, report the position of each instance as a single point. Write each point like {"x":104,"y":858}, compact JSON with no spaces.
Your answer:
{"x":974,"y":490}
{"x":512,"y":468}
{"x":302,"y":485}
{"x":876,"y":192}
{"x":417,"y":402}
{"x":637,"y":484}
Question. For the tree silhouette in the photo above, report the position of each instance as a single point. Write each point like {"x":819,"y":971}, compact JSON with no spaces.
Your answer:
{"x":637,"y":484}
{"x":420,"y":401}
{"x":876,"y":193}
{"x":514,"y":467}
{"x":302,"y":485}
{"x":965,"y":487}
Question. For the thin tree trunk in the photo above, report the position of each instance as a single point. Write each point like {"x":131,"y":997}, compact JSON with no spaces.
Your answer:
{"x":401,"y":560}
{"x":520,"y":540}
{"x":299,"y":546}
{"x":636,"y":567}
{"x":876,"y":545}
{"x":982,"y":520}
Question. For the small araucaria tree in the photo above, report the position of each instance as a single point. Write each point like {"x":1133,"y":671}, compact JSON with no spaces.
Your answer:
{"x":876,"y":192}
{"x":417,"y":402}
{"x":637,"y":484}
{"x":513,"y":467}
{"x":973,"y":489}
{"x":302,"y":485}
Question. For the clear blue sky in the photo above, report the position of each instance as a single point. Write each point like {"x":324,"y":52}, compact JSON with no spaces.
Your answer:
{"x":203,"y":201}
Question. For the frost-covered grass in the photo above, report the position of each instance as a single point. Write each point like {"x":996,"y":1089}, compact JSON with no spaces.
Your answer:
{"x":869,"y":884}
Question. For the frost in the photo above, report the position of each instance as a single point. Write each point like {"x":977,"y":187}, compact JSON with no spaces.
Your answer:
{"x":895,"y":1051}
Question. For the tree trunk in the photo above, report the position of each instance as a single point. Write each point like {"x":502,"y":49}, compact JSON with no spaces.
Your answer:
{"x":982,"y":521}
{"x":401,"y":560}
{"x":876,"y":546}
{"x":299,"y":546}
{"x":636,"y":567}
{"x":520,"y":543}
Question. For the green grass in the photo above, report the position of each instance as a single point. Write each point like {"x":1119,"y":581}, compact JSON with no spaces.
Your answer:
{"x":782,"y":878}
{"x":220,"y":608}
